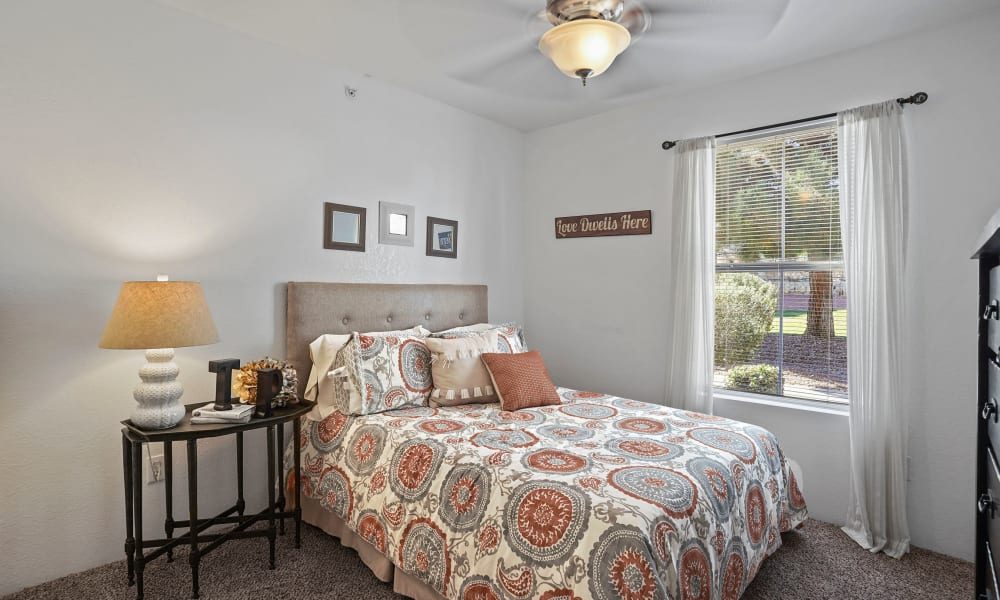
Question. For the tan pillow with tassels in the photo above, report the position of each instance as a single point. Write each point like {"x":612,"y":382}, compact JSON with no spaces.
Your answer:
{"x":460,"y":377}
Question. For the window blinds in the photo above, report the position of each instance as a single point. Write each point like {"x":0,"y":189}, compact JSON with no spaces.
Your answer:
{"x":777,"y":198}
{"x":780,"y":287}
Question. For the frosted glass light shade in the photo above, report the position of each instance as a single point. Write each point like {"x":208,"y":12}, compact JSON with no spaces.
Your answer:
{"x":586,"y":47}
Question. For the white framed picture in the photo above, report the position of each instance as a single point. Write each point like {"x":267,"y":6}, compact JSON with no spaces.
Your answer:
{"x":396,"y":223}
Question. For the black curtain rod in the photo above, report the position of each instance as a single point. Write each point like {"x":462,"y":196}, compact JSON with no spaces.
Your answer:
{"x":918,"y":98}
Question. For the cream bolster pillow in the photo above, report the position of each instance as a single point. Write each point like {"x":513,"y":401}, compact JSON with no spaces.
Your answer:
{"x":458,"y":374}
{"x":323,"y":352}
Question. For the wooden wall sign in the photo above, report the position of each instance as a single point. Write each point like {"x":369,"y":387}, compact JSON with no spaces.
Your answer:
{"x":636,"y":222}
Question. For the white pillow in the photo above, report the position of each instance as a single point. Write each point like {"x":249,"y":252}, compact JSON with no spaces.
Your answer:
{"x":320,"y":386}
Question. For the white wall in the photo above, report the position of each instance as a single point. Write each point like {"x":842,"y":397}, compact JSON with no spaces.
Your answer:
{"x":137,"y":140}
{"x":595,"y":307}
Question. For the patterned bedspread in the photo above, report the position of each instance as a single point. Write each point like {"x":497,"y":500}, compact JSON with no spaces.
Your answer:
{"x":601,"y":497}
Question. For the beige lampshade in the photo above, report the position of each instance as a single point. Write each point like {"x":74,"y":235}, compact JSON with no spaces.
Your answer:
{"x":159,"y":314}
{"x":585,"y":47}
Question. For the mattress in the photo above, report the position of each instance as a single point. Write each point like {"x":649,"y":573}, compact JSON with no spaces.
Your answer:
{"x":600,"y":497}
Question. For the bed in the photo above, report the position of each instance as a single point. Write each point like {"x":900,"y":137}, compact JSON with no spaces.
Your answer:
{"x":599,"y":497}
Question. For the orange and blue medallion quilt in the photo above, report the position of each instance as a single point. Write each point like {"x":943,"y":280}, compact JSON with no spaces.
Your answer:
{"x":601,"y":497}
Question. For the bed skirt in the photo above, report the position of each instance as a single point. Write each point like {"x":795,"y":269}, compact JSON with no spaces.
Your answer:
{"x":380,"y":566}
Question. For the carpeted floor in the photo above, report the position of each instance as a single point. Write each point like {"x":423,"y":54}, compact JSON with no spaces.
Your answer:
{"x":816,"y":562}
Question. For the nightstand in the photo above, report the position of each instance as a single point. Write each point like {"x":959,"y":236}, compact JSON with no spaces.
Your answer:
{"x":202,"y":543}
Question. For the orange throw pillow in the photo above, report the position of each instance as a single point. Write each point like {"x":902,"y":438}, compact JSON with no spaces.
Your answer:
{"x":521,"y":380}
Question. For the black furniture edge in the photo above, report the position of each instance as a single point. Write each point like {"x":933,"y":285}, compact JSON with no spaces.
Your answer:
{"x":201,"y":543}
{"x":987,"y":500}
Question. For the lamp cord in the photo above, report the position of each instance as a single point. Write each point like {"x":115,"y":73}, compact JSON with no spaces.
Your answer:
{"x":149,"y":458}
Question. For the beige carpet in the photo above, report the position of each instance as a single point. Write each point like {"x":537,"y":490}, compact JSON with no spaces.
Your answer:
{"x":816,"y":562}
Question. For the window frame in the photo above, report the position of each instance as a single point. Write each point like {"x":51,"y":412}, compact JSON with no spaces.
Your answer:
{"x":780,"y":266}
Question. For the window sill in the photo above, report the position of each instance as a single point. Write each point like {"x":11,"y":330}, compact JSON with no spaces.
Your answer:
{"x":790,"y":403}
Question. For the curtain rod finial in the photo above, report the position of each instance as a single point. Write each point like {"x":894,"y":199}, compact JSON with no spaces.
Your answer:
{"x":918,"y":98}
{"x":667,"y":145}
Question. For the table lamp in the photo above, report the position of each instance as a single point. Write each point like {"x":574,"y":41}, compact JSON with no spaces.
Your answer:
{"x":158,"y":316}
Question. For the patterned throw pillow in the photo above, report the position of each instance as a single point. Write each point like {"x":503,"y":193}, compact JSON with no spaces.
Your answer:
{"x":510,"y":339}
{"x":388,"y":370}
{"x":521,"y":380}
{"x":325,"y":385}
{"x":459,"y":375}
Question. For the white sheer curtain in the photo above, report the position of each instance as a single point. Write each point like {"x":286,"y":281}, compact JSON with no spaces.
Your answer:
{"x":873,"y":226}
{"x":690,"y":330}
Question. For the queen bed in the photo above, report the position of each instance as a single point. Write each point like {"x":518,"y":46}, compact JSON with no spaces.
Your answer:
{"x":597,"y":497}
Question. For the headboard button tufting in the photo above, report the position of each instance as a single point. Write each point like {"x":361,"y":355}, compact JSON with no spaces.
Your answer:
{"x":345,"y":321}
{"x":461,"y":316}
{"x":427,"y":317}
{"x":388,"y":319}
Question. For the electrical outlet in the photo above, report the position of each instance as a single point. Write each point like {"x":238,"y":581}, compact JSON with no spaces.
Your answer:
{"x":154,"y":469}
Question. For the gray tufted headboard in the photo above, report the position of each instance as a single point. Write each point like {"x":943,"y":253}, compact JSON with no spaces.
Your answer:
{"x":317,"y":308}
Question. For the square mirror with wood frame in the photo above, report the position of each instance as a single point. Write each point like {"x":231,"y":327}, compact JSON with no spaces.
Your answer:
{"x":343,"y":227}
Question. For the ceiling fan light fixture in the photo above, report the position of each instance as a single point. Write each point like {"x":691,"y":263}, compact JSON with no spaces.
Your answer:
{"x":584,"y":48}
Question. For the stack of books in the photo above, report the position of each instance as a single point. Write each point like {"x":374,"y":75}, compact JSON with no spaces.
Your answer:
{"x":239,"y":413}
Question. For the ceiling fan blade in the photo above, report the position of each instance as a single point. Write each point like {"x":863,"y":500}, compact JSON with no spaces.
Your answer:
{"x":714,"y":6}
{"x":713,"y":21}
{"x":466,"y":37}
{"x":480,"y":9}
{"x":632,"y":74}
{"x":536,"y":25}
{"x":496,"y":75}
{"x":473,"y":67}
{"x":636,"y":19}
{"x":530,"y":70}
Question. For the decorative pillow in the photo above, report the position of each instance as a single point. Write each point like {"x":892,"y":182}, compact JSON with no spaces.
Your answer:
{"x":509,"y":341}
{"x":323,"y":379}
{"x":387,"y":370}
{"x":319,"y":388}
{"x":477,"y":328}
{"x":521,"y":380}
{"x":458,"y":374}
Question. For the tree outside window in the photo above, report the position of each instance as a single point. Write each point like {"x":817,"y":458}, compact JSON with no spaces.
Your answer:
{"x":780,"y":286}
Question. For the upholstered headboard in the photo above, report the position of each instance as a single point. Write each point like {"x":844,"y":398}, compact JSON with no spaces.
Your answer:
{"x":317,"y":308}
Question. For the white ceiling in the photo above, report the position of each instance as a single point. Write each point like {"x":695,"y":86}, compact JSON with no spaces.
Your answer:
{"x":481,"y":56}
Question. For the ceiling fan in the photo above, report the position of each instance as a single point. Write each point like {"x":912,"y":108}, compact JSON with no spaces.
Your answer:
{"x":588,"y":35}
{"x":584,"y":37}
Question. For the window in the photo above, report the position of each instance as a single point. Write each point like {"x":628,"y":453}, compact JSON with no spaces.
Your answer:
{"x":780,"y":289}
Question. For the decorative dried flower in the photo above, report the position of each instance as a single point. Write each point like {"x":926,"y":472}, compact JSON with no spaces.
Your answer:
{"x":245,"y":382}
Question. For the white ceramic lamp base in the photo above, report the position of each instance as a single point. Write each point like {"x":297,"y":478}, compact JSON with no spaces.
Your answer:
{"x":159,"y":394}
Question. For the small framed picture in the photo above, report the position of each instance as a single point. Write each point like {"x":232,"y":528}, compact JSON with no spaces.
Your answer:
{"x":442,"y":237}
{"x":395,"y":224}
{"x":343,"y":227}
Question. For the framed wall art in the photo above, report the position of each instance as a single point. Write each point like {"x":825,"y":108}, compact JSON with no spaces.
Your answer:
{"x":395,"y":224}
{"x":442,"y":237}
{"x":343,"y":227}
